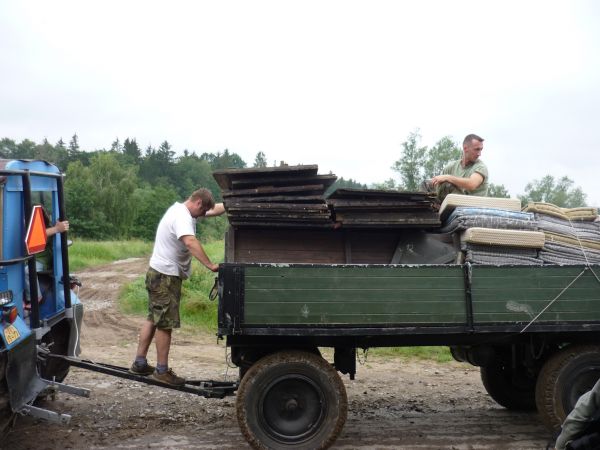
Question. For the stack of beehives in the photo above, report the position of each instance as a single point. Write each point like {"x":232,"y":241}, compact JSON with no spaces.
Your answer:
{"x":293,"y":196}
{"x":372,"y":208}
{"x":285,"y":196}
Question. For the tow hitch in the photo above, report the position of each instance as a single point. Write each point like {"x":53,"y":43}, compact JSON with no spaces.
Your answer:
{"x":204,"y":388}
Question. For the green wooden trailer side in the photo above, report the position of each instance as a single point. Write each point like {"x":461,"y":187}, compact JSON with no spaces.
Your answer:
{"x":279,"y":296}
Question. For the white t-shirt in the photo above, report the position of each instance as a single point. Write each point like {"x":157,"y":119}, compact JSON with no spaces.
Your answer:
{"x":170,"y":256}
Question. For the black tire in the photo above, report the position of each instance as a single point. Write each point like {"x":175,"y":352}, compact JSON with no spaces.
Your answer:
{"x":513,"y":389}
{"x":566,"y":375}
{"x":58,"y":341}
{"x":292,"y":399}
{"x":7,"y":417}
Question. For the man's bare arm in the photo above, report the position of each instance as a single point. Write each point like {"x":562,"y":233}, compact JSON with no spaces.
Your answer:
{"x":59,"y":227}
{"x":196,"y":249}
{"x":467,"y":184}
{"x":217,"y":210}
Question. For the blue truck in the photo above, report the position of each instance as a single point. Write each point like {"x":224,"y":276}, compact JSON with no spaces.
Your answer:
{"x":39,"y":312}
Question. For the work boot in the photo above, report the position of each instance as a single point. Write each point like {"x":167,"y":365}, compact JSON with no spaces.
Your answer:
{"x":168,"y":377}
{"x":142,"y":369}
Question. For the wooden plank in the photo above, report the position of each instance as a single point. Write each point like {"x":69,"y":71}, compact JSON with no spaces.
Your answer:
{"x":309,"y":188}
{"x":369,"y":193}
{"x":256,"y":318}
{"x":358,"y":223}
{"x":337,"y":306}
{"x":326,"y":180}
{"x":271,"y":225}
{"x":248,"y":206}
{"x":415,"y":300}
{"x":524,"y":319}
{"x":304,"y":216}
{"x":226,"y":176}
{"x":377,"y":203}
{"x":520,"y":293}
{"x":248,"y":238}
{"x":230,"y":245}
{"x":370,"y":286}
{"x":354,"y":295}
{"x":401,"y":274}
{"x":309,"y":256}
{"x":278,"y":199}
{"x":411,"y":216}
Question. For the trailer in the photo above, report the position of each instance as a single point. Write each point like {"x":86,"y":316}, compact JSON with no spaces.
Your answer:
{"x":533,"y":331}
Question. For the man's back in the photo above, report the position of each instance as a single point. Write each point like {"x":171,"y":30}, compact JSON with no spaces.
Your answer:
{"x":170,"y":256}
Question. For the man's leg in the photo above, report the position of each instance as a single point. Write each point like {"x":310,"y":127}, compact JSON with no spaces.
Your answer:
{"x":163,"y":344}
{"x":140,"y":366}
{"x":146,"y":335}
{"x":162,"y":372}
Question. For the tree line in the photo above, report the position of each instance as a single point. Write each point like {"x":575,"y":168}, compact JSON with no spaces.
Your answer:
{"x":121,"y":192}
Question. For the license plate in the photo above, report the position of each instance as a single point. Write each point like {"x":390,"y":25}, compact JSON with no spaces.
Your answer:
{"x":11,"y":334}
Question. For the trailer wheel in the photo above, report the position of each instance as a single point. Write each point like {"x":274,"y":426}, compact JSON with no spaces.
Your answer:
{"x":564,"y":378}
{"x":7,"y":416}
{"x":291,"y":399}
{"x":513,"y":389}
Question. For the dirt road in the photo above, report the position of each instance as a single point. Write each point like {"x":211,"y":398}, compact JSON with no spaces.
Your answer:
{"x":395,"y":404}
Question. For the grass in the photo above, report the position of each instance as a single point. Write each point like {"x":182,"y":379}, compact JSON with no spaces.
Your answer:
{"x":83,"y":254}
{"x":196,"y":310}
{"x":439,"y":354}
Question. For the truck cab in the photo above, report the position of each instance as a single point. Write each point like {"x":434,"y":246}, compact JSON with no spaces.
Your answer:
{"x":39,"y":311}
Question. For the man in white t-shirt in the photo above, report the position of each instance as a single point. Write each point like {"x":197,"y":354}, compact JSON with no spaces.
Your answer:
{"x":171,"y":262}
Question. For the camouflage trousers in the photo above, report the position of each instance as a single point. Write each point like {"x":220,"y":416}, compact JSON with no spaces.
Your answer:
{"x":164,"y":293}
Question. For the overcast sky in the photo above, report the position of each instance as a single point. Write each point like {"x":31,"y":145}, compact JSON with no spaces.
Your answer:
{"x":340,"y":84}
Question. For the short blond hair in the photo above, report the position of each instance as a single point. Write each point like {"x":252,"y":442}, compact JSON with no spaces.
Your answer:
{"x":208,"y":202}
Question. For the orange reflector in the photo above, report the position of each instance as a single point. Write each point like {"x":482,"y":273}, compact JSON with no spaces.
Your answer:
{"x":35,"y":240}
{"x":12,"y":315}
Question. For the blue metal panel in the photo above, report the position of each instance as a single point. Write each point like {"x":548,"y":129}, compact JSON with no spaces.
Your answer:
{"x":21,"y":327}
{"x":37,"y":183}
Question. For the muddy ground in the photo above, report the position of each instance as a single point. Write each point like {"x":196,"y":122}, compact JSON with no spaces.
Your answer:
{"x":393,"y":404}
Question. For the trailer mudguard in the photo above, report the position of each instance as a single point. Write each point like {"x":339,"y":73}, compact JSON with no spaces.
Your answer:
{"x":24,"y":383}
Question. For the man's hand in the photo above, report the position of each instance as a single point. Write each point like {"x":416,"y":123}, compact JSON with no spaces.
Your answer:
{"x":61,"y":227}
{"x":466,"y":184}
{"x":217,"y":210}
{"x":439,"y":179}
{"x":196,"y":249}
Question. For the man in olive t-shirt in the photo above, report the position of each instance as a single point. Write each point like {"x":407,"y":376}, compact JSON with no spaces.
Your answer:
{"x":467,"y":176}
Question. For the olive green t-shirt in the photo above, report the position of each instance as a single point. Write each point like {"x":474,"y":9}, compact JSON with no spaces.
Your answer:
{"x":456,"y":169}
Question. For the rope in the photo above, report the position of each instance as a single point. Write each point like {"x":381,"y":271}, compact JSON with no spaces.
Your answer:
{"x":555,"y":298}
{"x":587,"y":262}
{"x":588,"y":266}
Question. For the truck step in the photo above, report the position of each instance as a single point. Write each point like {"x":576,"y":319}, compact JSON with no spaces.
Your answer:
{"x":46,"y":414}
{"x":61,"y":387}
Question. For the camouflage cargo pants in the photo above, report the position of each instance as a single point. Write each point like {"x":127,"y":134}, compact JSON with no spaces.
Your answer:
{"x":164,"y":293}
